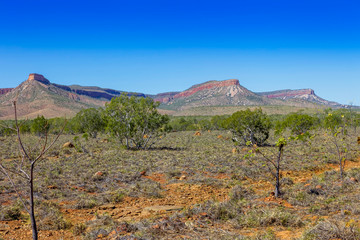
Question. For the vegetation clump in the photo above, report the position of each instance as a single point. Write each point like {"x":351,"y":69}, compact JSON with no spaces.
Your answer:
{"x":135,"y":121}
{"x":249,"y":126}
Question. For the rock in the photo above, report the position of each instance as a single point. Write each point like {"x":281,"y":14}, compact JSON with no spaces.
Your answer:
{"x":38,"y":77}
{"x":156,"y":226}
{"x":68,"y":145}
{"x":353,"y":179}
{"x":183,"y":177}
{"x":107,"y":207}
{"x":163,"y":208}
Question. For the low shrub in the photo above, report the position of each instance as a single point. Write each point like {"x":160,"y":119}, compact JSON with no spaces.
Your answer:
{"x":333,"y":230}
{"x":50,"y":217}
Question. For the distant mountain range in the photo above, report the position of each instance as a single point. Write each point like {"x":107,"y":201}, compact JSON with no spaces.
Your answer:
{"x":38,"y":96}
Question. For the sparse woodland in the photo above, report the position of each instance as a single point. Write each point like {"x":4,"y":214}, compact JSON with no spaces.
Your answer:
{"x":149,"y":176}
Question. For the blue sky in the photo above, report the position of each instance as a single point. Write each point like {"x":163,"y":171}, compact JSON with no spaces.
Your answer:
{"x":158,"y":46}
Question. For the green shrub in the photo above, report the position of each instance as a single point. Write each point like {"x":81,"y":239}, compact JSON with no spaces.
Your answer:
{"x":249,"y":126}
{"x":10,"y":213}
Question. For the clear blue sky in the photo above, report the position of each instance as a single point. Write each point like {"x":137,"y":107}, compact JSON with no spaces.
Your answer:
{"x":157,"y":46}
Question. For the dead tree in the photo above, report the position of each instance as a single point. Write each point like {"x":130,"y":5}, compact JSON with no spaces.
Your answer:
{"x":272,"y":165}
{"x":25,"y":169}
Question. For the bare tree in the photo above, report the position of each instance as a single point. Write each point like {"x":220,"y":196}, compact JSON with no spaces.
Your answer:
{"x":25,"y":169}
{"x":273,"y":165}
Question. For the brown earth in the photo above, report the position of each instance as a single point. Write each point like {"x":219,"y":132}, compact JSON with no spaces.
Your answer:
{"x":176,"y":197}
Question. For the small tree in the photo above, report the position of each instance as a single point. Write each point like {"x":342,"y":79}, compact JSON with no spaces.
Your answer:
{"x":249,"y":126}
{"x":89,"y":121}
{"x":135,"y":121}
{"x":218,"y":122}
{"x":272,"y":165}
{"x":297,"y":123}
{"x":299,"y":126}
{"x":337,"y":130}
{"x":25,"y":169}
{"x":40,"y":126}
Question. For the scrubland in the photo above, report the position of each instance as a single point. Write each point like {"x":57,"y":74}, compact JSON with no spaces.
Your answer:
{"x":186,"y":186}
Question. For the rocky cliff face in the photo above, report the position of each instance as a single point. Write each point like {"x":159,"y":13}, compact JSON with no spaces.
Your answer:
{"x":208,"y":85}
{"x":170,"y":96}
{"x":5,"y":90}
{"x":213,"y":93}
{"x":300,"y":94}
{"x":290,"y":93}
{"x":38,"y":77}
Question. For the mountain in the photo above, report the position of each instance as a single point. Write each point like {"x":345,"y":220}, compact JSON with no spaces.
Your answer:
{"x":231,"y":93}
{"x":303,"y":94}
{"x":213,"y":93}
{"x":104,"y":94}
{"x":38,"y":96}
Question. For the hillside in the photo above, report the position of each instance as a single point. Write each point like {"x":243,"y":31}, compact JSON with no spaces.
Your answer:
{"x":38,"y":96}
{"x":303,"y":94}
{"x":224,"y":97}
{"x":214,"y":93}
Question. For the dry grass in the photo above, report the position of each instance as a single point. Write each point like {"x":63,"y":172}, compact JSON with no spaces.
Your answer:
{"x":100,"y":172}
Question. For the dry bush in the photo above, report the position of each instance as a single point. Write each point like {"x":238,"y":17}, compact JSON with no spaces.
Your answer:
{"x":50,"y":217}
{"x":8,"y":213}
{"x":102,"y":224}
{"x":332,"y":230}
{"x":269,"y":217}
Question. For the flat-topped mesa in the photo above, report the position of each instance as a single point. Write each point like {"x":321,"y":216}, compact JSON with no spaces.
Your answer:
{"x":291,"y":93}
{"x":208,"y":85}
{"x":5,"y":90}
{"x":38,"y":77}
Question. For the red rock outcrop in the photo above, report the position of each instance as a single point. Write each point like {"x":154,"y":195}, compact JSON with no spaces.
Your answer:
{"x":208,"y":85}
{"x":169,"y":96}
{"x":38,"y":77}
{"x":5,"y":90}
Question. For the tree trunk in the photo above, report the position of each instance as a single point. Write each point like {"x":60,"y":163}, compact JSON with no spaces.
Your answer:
{"x":127,"y":143}
{"x":277,"y":185}
{"x":341,"y":168}
{"x":32,"y":212}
